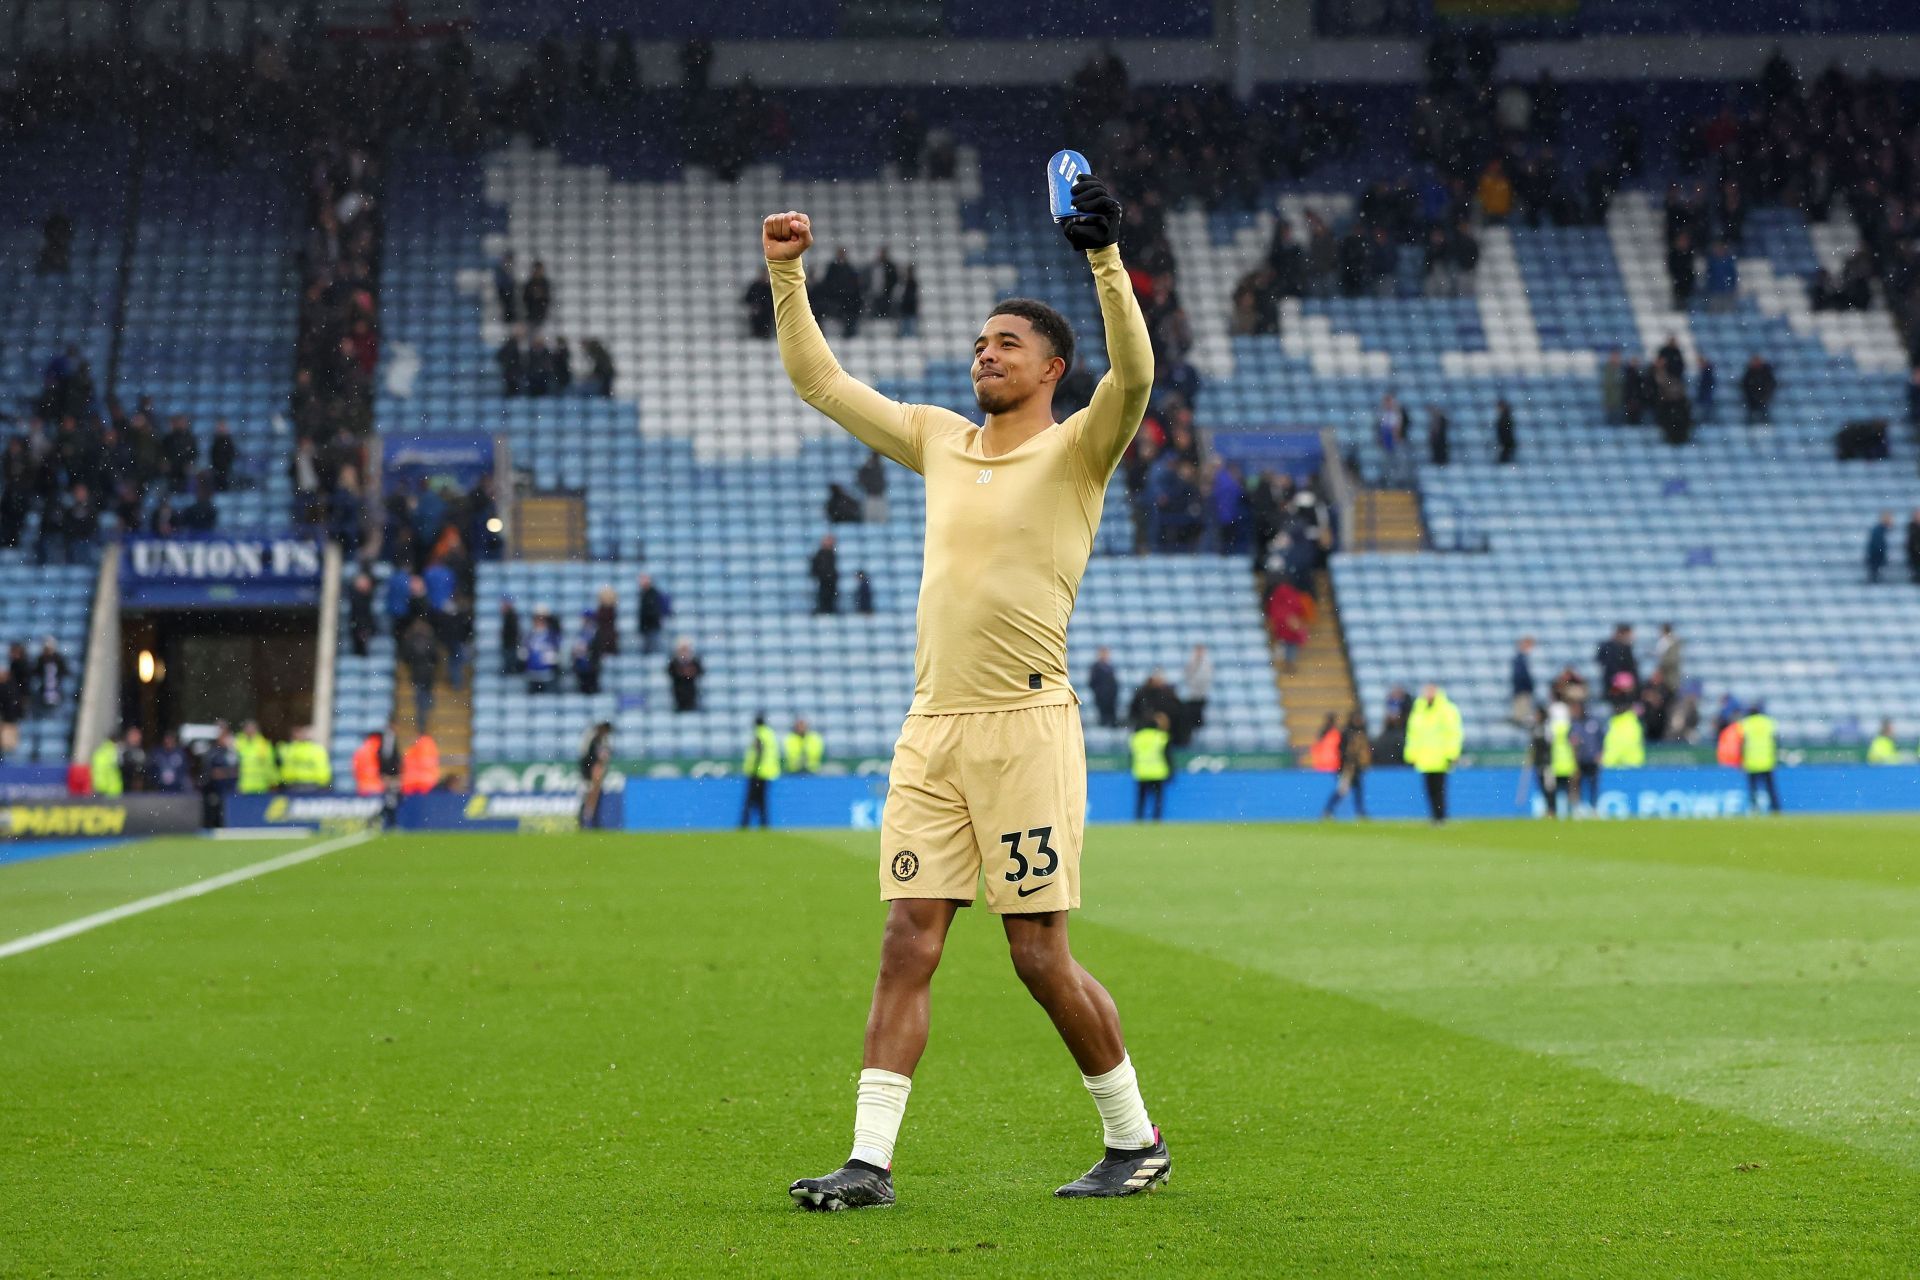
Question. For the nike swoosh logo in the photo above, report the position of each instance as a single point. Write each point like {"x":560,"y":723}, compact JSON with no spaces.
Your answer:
{"x":1027,"y":892}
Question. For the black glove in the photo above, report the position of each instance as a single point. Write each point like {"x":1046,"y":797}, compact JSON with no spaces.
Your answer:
{"x":1097,"y":224}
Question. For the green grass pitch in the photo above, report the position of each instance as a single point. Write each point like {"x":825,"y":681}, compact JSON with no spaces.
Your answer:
{"x":1680,"y":1049}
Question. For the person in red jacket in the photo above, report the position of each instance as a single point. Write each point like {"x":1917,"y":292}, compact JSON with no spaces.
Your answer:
{"x":420,"y":768}
{"x":366,"y":766}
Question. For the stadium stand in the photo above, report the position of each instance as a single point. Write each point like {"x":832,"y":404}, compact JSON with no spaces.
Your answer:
{"x":1747,"y":540}
{"x":210,"y":318}
{"x":705,"y":471}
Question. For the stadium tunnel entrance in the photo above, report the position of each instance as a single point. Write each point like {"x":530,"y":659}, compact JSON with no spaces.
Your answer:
{"x":195,"y":666}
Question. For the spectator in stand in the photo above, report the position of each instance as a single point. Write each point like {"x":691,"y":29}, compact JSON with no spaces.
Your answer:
{"x":513,"y":656}
{"x":585,"y":655}
{"x":453,"y":631}
{"x":842,"y":507}
{"x":1706,"y":383}
{"x":1506,"y":443}
{"x":1287,"y":621}
{"x":1391,"y":428}
{"x":1154,"y":697}
{"x":421,"y":657}
{"x":222,"y":455}
{"x":1619,"y":669}
{"x":506,"y":288}
{"x":1196,"y":685}
{"x":684,"y":669}
{"x":1670,"y":656}
{"x":1104,"y":684}
{"x":360,"y":621}
{"x":182,"y":451}
{"x":1723,"y":277}
{"x":512,"y":357}
{"x":1757,"y":387}
{"x":872,"y":479}
{"x":600,"y":369}
{"x":757,"y":300}
{"x":907,"y":306}
{"x":654,"y":610}
{"x":1439,"y":447}
{"x":881,"y":285}
{"x":825,"y":570}
{"x":1636,"y":392}
{"x":606,"y":623}
{"x":862,"y":593}
{"x":839,"y":293}
{"x":1913,"y":547}
{"x":1682,"y":274}
{"x":543,"y":652}
{"x":1670,"y":361}
{"x":1878,"y":539}
{"x":346,"y":513}
{"x":13,"y":709}
{"x":536,"y":297}
{"x":1520,"y":685}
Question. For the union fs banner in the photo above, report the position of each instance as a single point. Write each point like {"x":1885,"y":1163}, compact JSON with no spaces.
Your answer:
{"x":220,"y":572}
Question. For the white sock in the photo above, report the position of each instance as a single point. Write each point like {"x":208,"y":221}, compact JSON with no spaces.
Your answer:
{"x":1117,"y":1094}
{"x":876,"y":1117}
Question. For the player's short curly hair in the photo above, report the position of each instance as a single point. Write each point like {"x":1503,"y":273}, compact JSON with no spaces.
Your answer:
{"x":1046,"y":322}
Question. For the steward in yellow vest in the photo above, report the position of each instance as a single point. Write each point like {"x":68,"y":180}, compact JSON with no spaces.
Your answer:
{"x":1625,"y":746}
{"x":805,"y":749}
{"x":761,"y":764}
{"x":1759,"y":753}
{"x":105,"y":764}
{"x":1151,"y":767}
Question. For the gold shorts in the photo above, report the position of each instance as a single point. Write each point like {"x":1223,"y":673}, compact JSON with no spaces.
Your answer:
{"x":1000,"y":793}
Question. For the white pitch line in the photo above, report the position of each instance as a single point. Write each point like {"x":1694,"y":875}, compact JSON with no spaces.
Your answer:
{"x":60,"y":932}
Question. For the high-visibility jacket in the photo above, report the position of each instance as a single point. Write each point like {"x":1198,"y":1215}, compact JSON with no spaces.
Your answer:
{"x":805,"y":752}
{"x":257,"y":772}
{"x":366,"y":767}
{"x":763,"y":756}
{"x":1759,"y":751}
{"x":295,"y":764}
{"x":1727,"y":749}
{"x":1626,"y":743}
{"x":420,"y":767}
{"x":1563,"y":761}
{"x":106,"y":769}
{"x":1433,"y":734}
{"x":1149,"y":748}
{"x":1325,"y":752}
{"x":1883,"y":750}
{"x":318,"y":765}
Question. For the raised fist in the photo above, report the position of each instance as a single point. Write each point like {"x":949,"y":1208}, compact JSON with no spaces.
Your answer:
{"x":785,"y":236}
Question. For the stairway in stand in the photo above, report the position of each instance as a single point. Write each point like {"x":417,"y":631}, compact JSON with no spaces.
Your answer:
{"x":450,"y":722}
{"x":550,"y":526}
{"x":1321,"y":682}
{"x":1387,"y":520}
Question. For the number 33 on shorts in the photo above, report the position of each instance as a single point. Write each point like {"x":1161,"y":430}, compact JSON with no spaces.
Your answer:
{"x":1028,"y":866}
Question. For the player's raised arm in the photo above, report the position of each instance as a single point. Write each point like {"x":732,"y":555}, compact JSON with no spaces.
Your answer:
{"x":877,"y":422}
{"x":1120,"y":401}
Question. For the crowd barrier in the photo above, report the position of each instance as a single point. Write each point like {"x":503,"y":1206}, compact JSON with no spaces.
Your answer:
{"x":134,"y":815}
{"x":854,"y":803}
{"x":683,"y":804}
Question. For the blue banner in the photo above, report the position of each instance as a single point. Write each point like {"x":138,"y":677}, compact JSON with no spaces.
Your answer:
{"x":457,"y":459}
{"x":683,"y":804}
{"x":1294,"y":453}
{"x":274,"y":571}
